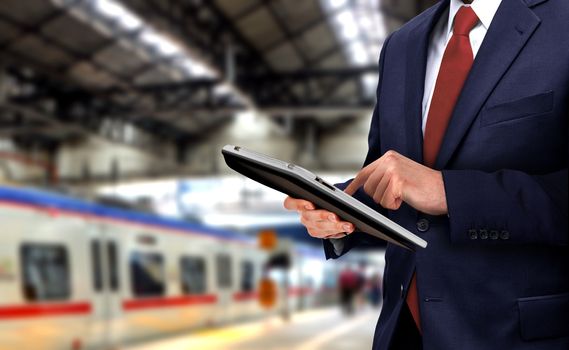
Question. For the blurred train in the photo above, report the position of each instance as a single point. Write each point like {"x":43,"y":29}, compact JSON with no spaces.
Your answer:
{"x":80,"y":275}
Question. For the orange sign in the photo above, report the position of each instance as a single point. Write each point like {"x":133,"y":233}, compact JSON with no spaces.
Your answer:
{"x":267,"y":293}
{"x":267,"y":239}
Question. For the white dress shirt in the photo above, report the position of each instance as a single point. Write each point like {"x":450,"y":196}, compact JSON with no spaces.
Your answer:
{"x":440,"y":36}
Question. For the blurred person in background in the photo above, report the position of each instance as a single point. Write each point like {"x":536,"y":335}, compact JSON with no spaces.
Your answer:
{"x":348,"y":285}
{"x":361,"y":289}
{"x":374,"y":290}
{"x":468,"y":148}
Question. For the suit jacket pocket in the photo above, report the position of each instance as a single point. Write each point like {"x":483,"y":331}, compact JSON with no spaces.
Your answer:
{"x":525,"y":107}
{"x":544,"y":316}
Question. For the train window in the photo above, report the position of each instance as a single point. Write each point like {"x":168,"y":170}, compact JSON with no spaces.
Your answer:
{"x":147,"y":274}
{"x":96,"y":262}
{"x":247,"y":276}
{"x":224,"y":271}
{"x":45,"y":269}
{"x":113,"y":254}
{"x":193,"y":275}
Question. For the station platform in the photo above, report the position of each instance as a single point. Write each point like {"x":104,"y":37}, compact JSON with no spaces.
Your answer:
{"x":311,"y":330}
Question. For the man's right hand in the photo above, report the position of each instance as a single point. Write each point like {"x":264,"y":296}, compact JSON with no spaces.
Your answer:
{"x":319,"y":223}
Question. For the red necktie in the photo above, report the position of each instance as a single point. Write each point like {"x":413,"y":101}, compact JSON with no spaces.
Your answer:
{"x":455,"y":65}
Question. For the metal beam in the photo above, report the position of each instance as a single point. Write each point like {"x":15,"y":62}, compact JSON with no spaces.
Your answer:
{"x":318,"y":111}
{"x":284,"y":28}
{"x":210,"y":34}
{"x":75,"y":55}
{"x":302,"y":30}
{"x":248,"y":11}
{"x":307,"y":74}
{"x":51,"y":130}
{"x":299,"y":76}
{"x":34,"y":30}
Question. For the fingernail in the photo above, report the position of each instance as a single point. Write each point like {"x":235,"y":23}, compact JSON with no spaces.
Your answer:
{"x":308,"y":207}
{"x":332,"y":217}
{"x":347,"y":227}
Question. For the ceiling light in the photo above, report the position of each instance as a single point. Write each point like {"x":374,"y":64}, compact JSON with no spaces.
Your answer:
{"x":358,"y":53}
{"x":335,"y":4}
{"x":347,"y":24}
{"x":116,"y":12}
{"x":195,"y":69}
{"x":222,"y":90}
{"x":369,"y":82}
{"x":160,"y":42}
{"x":200,"y":70}
{"x":130,"y":22}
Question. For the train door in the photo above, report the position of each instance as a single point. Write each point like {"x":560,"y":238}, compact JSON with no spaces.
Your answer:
{"x":245,"y":296}
{"x":224,"y":281}
{"x":193,"y":285}
{"x":43,"y":301}
{"x":106,"y":305}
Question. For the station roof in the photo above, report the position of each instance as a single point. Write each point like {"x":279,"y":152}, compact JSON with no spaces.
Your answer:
{"x":179,"y":69}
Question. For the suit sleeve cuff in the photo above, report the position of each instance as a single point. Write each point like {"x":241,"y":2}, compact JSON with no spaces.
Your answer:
{"x":338,"y":244}
{"x":472,"y":216}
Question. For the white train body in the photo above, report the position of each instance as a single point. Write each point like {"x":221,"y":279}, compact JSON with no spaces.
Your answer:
{"x":77,"y":275}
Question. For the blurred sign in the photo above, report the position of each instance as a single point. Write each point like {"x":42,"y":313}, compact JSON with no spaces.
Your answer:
{"x":267,"y":239}
{"x":279,"y":260}
{"x":146,"y":239}
{"x":267,"y":293}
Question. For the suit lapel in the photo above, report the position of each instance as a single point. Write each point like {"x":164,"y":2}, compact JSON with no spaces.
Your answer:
{"x":512,"y":26}
{"x":417,"y":49}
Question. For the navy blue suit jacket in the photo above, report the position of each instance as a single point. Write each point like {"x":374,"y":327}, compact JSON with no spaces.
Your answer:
{"x":495,"y":274}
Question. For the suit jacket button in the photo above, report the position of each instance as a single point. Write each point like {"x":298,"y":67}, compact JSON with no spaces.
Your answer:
{"x":483,"y":234}
{"x":401,"y":291}
{"x":505,"y":234}
{"x":423,"y":225}
{"x":493,"y":234}
{"x":472,"y":234}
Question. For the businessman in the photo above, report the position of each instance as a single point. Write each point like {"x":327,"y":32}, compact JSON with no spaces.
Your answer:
{"x":468,"y":148}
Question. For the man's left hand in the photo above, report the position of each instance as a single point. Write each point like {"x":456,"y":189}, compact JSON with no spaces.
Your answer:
{"x":393,"y":179}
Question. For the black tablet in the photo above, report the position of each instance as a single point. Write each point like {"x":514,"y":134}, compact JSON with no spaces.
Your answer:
{"x":298,"y":182}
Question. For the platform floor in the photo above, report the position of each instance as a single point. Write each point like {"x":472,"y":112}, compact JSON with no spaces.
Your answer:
{"x":311,"y":330}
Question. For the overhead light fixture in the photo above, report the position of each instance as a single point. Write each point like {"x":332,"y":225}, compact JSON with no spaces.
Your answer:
{"x":221,"y":90}
{"x":149,"y":39}
{"x":162,"y":43}
{"x":351,"y":22}
{"x":367,"y":24}
{"x":348,"y":27}
{"x":195,"y":69}
{"x":201,"y":71}
{"x":246,"y":117}
{"x":358,"y":25}
{"x":369,"y":82}
{"x":358,"y":53}
{"x":118,"y":13}
{"x":336,"y":4}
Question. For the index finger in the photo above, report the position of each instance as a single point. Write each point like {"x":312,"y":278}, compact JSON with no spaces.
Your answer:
{"x":359,"y":180}
{"x":297,"y":204}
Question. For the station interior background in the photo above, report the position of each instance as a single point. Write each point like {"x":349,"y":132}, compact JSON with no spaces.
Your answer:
{"x":128,"y":103}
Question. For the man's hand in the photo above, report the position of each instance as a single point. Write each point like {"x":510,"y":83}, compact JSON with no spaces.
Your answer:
{"x":319,"y":223}
{"x":393,"y":179}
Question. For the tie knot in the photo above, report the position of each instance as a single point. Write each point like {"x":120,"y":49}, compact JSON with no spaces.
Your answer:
{"x":464,"y":21}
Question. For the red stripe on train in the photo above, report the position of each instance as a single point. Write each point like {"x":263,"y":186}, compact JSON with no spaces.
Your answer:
{"x":245,"y":296}
{"x":44,"y":310}
{"x":150,"y":303}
